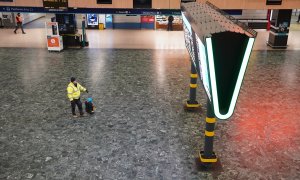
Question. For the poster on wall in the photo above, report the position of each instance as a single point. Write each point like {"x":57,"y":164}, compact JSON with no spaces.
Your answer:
{"x":55,"y":4}
{"x":108,"y":18}
{"x":92,"y":19}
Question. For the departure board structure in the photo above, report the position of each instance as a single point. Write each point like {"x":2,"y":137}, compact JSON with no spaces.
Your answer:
{"x":220,"y":48}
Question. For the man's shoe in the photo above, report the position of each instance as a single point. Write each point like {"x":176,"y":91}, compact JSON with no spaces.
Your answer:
{"x":15,"y":32}
{"x":23,"y":33}
{"x":75,"y":116}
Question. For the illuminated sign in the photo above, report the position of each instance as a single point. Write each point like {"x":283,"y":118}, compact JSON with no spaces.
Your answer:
{"x":203,"y":67}
{"x":215,"y":96}
{"x":188,"y":38}
{"x":201,"y":60}
{"x":219,"y":54}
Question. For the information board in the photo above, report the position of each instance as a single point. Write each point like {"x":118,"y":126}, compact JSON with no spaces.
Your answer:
{"x":274,"y":2}
{"x":55,"y":4}
{"x":201,"y":60}
{"x":203,"y":67}
{"x":220,"y":51}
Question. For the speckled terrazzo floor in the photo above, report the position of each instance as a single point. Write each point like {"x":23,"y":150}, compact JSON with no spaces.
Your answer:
{"x":140,"y":130}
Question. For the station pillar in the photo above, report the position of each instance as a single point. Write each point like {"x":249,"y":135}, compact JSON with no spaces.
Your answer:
{"x":279,"y":32}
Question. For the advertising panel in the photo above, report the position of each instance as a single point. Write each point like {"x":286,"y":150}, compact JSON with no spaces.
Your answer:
{"x":147,"y":19}
{"x":108,"y":18}
{"x":92,"y":19}
{"x":53,"y":41}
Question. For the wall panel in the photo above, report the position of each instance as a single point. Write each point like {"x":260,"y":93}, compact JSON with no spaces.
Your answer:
{"x":175,"y":4}
{"x":160,"y":4}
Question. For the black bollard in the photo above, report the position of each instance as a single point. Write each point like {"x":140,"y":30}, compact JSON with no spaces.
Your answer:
{"x":208,"y":156}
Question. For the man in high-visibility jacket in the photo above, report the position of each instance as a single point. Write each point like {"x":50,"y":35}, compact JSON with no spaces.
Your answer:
{"x":74,"y":90}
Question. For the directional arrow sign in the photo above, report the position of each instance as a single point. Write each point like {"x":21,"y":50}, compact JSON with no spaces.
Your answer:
{"x":220,"y":48}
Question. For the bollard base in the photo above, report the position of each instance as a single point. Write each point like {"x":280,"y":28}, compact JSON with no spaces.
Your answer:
{"x":192,"y":105}
{"x":215,"y":167}
{"x":207,"y":160}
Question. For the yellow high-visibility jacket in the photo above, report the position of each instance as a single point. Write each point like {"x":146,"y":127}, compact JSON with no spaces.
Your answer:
{"x":74,"y":92}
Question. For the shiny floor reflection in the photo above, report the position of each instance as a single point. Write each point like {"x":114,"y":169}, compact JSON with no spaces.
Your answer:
{"x":140,"y":130}
{"x":262,"y":140}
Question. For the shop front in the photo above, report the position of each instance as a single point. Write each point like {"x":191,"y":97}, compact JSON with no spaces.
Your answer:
{"x":161,"y":22}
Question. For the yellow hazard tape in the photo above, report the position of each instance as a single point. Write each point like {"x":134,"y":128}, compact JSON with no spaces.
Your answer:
{"x":210,"y":120}
{"x":194,"y":75}
{"x":209,"y":134}
{"x":193,"y":85}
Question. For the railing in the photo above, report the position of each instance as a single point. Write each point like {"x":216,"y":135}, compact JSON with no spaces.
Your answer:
{"x":242,"y":25}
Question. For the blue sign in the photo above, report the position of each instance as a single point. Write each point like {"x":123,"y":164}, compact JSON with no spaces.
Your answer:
{"x":91,"y":10}
{"x":92,"y":19}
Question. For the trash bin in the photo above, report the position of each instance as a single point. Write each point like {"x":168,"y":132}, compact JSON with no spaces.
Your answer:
{"x":101,"y":26}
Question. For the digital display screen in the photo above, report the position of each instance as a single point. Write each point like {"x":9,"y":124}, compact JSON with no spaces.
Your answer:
{"x":203,"y":66}
{"x":274,"y":2}
{"x":142,"y":3}
{"x":189,"y":42}
{"x":201,"y":51}
{"x":6,"y":0}
{"x":104,"y":1}
{"x":92,"y":19}
{"x":55,"y":4}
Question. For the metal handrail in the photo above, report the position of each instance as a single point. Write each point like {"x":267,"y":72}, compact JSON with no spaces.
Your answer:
{"x":242,"y":25}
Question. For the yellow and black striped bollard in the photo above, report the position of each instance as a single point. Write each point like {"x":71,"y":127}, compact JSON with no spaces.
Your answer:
{"x":192,"y":103}
{"x":207,"y":156}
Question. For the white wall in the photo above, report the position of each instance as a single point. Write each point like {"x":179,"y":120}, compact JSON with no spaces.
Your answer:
{"x":28,"y":17}
{"x":79,"y":19}
{"x":126,"y":19}
{"x":102,"y":19}
{"x":252,"y":14}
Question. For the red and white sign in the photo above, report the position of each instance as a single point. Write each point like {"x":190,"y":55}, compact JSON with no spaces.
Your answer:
{"x":53,"y":41}
{"x":147,"y":19}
